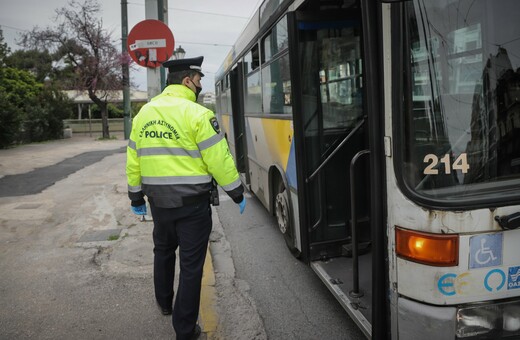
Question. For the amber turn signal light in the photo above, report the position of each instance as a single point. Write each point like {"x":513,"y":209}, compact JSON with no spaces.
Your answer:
{"x":438,"y":250}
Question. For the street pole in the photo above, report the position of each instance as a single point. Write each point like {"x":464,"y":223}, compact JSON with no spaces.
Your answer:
{"x":162,"y":6}
{"x":127,"y":120}
{"x":155,"y":9}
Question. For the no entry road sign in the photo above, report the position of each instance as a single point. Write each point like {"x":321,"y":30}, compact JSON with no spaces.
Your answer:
{"x":150,"y":43}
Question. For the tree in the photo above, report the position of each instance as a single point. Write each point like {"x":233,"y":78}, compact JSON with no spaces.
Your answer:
{"x":79,"y":38}
{"x":10,"y":111}
{"x":39,"y":63}
{"x":18,"y":91}
{"x":4,"y":49}
{"x":29,"y":110}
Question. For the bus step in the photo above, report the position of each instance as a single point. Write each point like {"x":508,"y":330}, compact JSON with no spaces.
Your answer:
{"x":363,"y":248}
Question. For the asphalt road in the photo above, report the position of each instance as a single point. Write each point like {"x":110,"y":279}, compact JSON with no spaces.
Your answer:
{"x":35,"y":181}
{"x":291,"y":300}
{"x":56,"y":283}
{"x":76,"y":264}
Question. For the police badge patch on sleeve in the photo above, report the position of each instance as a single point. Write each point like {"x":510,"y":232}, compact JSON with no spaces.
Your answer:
{"x":214,"y":123}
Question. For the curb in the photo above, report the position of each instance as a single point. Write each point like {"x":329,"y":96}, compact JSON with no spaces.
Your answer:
{"x":208,"y":316}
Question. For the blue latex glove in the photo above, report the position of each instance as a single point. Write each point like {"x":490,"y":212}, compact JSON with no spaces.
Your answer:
{"x":242,"y":205}
{"x":140,"y":210}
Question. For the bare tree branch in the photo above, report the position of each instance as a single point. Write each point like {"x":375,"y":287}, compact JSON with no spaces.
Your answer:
{"x":80,"y":39}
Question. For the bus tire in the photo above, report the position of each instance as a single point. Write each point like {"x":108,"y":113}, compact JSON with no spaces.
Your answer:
{"x":284,"y":219}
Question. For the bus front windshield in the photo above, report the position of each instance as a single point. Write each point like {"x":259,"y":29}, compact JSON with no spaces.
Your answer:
{"x":462,"y":121}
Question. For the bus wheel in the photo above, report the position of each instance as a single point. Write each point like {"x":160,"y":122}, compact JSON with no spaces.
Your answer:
{"x":283,"y":217}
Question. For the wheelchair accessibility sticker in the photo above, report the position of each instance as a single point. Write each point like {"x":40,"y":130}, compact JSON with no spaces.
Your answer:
{"x":485,"y":250}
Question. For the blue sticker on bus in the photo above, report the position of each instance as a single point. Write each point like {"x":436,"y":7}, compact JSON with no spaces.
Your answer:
{"x":513,"y":276}
{"x":495,"y":280}
{"x":485,"y":251}
{"x":446,"y":284}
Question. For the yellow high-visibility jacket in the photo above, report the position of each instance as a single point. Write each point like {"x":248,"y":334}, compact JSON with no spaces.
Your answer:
{"x":174,"y":151}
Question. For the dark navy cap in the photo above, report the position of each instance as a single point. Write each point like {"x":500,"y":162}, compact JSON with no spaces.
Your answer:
{"x":184,"y":65}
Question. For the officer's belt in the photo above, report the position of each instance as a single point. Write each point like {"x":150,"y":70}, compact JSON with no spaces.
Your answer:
{"x":187,"y":200}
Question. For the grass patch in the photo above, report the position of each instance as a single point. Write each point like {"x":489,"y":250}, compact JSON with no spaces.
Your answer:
{"x":113,"y":237}
{"x":111,"y":138}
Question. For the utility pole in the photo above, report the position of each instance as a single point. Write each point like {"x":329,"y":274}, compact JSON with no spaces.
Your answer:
{"x":162,"y":6}
{"x":155,"y":9}
{"x":127,"y":120}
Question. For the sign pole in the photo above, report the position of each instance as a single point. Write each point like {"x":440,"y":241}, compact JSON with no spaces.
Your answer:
{"x":162,"y":9}
{"x":155,"y":9}
{"x":127,"y":120}
{"x":150,"y":43}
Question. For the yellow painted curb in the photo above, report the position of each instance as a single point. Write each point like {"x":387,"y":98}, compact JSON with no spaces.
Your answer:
{"x":208,"y":314}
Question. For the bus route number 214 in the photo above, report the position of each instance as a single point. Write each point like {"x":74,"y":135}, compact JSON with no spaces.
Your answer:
{"x":434,"y":163}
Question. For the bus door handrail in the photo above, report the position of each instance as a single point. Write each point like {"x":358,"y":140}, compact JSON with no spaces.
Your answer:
{"x":355,"y":292}
{"x":329,"y":157}
{"x":311,"y":177}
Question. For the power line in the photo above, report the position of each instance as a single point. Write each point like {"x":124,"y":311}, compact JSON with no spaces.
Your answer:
{"x":183,"y":42}
{"x":199,"y":12}
{"x":14,"y":28}
{"x":201,"y":43}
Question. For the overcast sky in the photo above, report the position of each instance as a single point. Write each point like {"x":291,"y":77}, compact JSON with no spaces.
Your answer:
{"x":201,"y":27}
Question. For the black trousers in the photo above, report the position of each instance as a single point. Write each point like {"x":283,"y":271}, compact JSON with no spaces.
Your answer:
{"x":188,"y":229}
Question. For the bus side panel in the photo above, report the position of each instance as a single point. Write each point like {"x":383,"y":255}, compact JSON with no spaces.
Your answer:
{"x":226,"y":124}
{"x":268,"y":144}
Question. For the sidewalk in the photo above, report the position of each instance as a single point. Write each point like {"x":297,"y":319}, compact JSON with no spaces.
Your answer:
{"x":75,"y":262}
{"x":25,"y":158}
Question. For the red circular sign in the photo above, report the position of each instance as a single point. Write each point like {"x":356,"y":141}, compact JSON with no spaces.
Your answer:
{"x":150,"y":43}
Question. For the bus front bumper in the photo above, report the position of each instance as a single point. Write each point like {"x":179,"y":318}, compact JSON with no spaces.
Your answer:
{"x":493,"y":320}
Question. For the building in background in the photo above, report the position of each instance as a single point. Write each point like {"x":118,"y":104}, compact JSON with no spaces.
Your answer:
{"x":208,"y":98}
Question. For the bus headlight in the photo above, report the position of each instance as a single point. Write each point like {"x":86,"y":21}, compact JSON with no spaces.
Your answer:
{"x":496,"y":320}
{"x":511,"y":318}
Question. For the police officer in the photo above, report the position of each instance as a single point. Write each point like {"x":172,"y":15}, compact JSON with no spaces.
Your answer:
{"x":175,"y":151}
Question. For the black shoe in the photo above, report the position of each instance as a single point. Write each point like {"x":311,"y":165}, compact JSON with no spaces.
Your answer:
{"x":196,"y":332}
{"x":165,"y":310}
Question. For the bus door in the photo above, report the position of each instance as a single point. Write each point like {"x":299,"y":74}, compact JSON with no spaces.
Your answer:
{"x":333,"y":134}
{"x":237,"y":106}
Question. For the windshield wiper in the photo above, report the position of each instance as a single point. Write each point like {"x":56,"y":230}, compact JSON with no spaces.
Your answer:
{"x":509,"y":222}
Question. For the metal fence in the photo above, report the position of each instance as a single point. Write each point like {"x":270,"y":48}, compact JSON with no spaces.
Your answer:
{"x":93,"y":125}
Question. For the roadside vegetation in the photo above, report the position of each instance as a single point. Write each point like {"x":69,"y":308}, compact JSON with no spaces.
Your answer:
{"x":76,"y":53}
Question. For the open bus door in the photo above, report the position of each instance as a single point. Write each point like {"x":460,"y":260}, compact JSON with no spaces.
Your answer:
{"x":333,"y":152}
{"x":237,"y":107}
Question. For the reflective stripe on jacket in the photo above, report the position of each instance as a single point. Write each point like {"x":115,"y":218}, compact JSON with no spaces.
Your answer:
{"x":175,"y":149}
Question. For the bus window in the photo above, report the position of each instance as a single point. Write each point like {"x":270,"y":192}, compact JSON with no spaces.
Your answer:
{"x":252,"y":60}
{"x":223,"y":97}
{"x":340,"y":77}
{"x":227,"y":90}
{"x":276,"y":41}
{"x":253,"y":91}
{"x":341,"y":84}
{"x":217,"y":96}
{"x":276,"y":80}
{"x":267,"y":9}
{"x":462,"y":131}
{"x":253,"y":94}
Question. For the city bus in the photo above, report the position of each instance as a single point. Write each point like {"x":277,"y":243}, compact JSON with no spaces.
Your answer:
{"x":384,"y":136}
